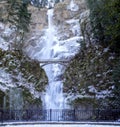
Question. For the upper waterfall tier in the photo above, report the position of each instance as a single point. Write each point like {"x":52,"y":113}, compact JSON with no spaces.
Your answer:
{"x":58,"y":39}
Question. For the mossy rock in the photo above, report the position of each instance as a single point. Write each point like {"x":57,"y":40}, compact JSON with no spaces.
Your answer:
{"x":29,"y":100}
{"x":92,"y":67}
{"x":84,"y":103}
{"x":24,"y":71}
{"x":15,"y":62}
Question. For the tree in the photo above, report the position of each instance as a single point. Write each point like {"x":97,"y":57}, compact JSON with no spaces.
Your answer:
{"x":105,"y":22}
{"x":15,"y":12}
{"x":115,"y":100}
{"x":18,"y":14}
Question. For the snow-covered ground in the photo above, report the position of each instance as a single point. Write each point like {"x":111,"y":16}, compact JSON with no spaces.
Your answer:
{"x":61,"y":125}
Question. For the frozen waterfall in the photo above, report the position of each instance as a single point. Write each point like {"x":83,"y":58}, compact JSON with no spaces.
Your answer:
{"x":55,"y":45}
{"x":53,"y":98}
{"x":57,"y":50}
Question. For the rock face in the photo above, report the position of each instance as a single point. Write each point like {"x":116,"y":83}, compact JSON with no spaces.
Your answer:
{"x":38,"y":18}
{"x":57,"y":39}
{"x":89,"y":75}
{"x":18,"y":71}
{"x":65,"y":19}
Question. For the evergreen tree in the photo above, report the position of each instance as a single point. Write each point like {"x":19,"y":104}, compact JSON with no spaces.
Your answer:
{"x":18,"y":14}
{"x":115,"y":100}
{"x":105,"y":21}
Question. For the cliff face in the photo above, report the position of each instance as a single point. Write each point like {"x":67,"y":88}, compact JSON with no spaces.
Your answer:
{"x":67,"y":17}
{"x":56,"y":34}
{"x":17,"y":70}
{"x":90,"y":75}
{"x":88,"y":78}
{"x":65,"y":20}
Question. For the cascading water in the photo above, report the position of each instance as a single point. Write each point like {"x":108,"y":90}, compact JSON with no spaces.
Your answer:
{"x":55,"y":46}
{"x":53,"y":98}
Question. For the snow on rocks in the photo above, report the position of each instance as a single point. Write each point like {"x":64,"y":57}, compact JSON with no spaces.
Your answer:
{"x":5,"y":80}
{"x":6,"y":37}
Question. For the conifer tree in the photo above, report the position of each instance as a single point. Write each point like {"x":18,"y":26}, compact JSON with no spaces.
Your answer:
{"x":18,"y":14}
{"x":115,"y":100}
{"x":105,"y":22}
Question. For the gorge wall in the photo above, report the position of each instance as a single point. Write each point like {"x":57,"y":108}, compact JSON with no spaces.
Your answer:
{"x":17,"y":67}
{"x":57,"y":36}
{"x":88,"y":79}
{"x":17,"y":71}
{"x":65,"y":19}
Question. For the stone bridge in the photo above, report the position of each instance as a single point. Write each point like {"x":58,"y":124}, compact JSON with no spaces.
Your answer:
{"x":53,"y":61}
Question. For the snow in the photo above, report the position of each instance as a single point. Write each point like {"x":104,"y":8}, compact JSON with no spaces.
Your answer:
{"x":92,"y":89}
{"x":5,"y":36}
{"x":106,"y":49}
{"x":5,"y":80}
{"x":73,"y":6}
{"x":3,"y":45}
{"x":75,"y":26}
{"x":61,"y":125}
{"x":70,"y":21}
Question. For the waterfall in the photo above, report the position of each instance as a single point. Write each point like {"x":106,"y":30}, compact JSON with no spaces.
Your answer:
{"x":53,"y":98}
{"x":56,"y":44}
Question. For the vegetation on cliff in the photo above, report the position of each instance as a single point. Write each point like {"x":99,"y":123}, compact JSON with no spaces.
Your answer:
{"x":93,"y":76}
{"x":16,"y":13}
{"x":105,"y":22}
{"x":25,"y":74}
{"x":94,"y":73}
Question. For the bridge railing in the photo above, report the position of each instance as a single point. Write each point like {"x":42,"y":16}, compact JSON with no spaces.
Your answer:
{"x":60,"y":115}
